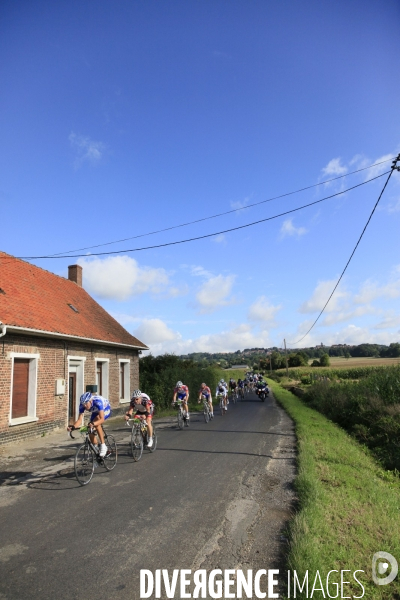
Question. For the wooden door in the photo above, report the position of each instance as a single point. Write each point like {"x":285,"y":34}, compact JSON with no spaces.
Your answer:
{"x":122,"y":380}
{"x":99,"y":377}
{"x":20,"y":388}
{"x":72,"y":397}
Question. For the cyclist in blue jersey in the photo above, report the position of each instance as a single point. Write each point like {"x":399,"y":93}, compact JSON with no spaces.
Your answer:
{"x":101,"y":410}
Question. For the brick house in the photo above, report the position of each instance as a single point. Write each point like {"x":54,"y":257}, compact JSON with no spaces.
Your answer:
{"x":54,"y":340}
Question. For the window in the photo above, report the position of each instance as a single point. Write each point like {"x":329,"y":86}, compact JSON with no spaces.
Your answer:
{"x":75,"y":380}
{"x":23,"y":388}
{"x":102,"y":376}
{"x":124,"y":380}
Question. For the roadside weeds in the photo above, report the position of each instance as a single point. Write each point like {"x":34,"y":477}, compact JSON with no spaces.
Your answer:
{"x":348,"y":505}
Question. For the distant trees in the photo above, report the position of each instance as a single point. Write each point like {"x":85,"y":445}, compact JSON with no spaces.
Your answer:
{"x":257,"y":356}
{"x":393,"y":351}
{"x":324,"y":360}
{"x":297,"y":359}
{"x":278,"y":360}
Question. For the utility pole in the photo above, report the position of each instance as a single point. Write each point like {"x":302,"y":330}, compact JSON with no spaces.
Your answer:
{"x":270,"y":363}
{"x":287,"y":369}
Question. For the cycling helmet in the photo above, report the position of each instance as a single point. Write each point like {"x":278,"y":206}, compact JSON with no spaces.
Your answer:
{"x":86,"y":397}
{"x":222,"y":381}
{"x":179,"y":384}
{"x":203,"y":385}
{"x":136,"y":394}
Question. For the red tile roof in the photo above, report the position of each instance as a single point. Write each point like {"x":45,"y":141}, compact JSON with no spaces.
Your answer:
{"x":32,"y":298}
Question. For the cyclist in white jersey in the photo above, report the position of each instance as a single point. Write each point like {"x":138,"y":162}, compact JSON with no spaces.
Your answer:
{"x":143,"y":408}
{"x":222,"y":390}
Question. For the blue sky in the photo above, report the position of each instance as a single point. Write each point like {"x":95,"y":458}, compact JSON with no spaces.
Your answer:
{"x":122,"y":118}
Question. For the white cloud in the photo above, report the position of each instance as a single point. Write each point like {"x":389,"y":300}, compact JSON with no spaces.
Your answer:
{"x":239,"y":205}
{"x":334,"y":167}
{"x":391,"y":321}
{"x":374,"y":171}
{"x":219,"y":239}
{"x":86,"y":149}
{"x":371,"y":290}
{"x":289,"y":229}
{"x":156,"y":333}
{"x":348,"y":335}
{"x":214,"y":293}
{"x":321,"y":295}
{"x":160,"y":338}
{"x":121,"y":277}
{"x":262,"y":311}
{"x":346,"y":306}
{"x":394,"y":207}
{"x":340,"y":316}
{"x":199,"y":271}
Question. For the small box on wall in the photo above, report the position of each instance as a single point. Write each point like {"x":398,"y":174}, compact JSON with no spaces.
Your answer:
{"x":60,"y":387}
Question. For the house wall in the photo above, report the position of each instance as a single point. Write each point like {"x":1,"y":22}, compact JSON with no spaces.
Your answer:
{"x":52,"y":363}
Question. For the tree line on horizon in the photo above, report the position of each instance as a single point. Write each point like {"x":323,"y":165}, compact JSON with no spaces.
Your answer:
{"x":260,"y":358}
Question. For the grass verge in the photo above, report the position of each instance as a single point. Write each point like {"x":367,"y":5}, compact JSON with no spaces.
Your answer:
{"x":348,"y":507}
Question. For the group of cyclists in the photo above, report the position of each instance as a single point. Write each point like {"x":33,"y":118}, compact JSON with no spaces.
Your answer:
{"x":141,"y":406}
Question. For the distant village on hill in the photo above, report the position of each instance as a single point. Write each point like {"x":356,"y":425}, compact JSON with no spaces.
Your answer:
{"x":261,"y":357}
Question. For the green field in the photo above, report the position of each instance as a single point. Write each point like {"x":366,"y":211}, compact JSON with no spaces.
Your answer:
{"x":367,"y":361}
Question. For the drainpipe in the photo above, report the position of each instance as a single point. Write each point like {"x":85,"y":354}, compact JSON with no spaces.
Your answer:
{"x":3,"y":329}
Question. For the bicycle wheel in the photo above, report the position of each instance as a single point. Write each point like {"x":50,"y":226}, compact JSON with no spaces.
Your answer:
{"x":136,"y":443}
{"x":84,"y":464}
{"x":154,"y":446}
{"x":180,"y":420}
{"x":206,"y":415}
{"x":110,"y":459}
{"x":222,"y":407}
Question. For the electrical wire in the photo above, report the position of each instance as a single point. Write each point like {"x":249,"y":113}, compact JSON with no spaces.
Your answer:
{"x":223,"y":213}
{"x":352,"y":254}
{"x":202,"y":237}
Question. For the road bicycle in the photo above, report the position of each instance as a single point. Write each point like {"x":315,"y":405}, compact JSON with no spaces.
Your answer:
{"x":140,"y":436}
{"x":208,"y":415}
{"x":182,"y":417}
{"x":241,"y":393}
{"x":222,"y":403}
{"x":87,"y":456}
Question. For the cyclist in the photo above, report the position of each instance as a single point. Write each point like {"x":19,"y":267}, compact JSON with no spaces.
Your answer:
{"x":232,"y":385}
{"x":251,"y":382}
{"x":144,"y":408}
{"x":181,"y":392}
{"x":241,"y":387}
{"x":205,"y":394}
{"x":101,"y":410}
{"x":222,"y":390}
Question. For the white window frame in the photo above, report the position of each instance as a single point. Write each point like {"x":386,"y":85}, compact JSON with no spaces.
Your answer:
{"x":80,"y":378}
{"x":32,"y":388}
{"x":105,"y":374}
{"x":127,"y":380}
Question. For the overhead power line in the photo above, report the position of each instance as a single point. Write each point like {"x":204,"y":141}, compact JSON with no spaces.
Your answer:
{"x":394,"y":167}
{"x":309,"y":187}
{"x":202,"y":237}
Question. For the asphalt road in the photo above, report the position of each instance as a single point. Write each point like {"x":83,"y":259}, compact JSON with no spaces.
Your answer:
{"x":207,"y":498}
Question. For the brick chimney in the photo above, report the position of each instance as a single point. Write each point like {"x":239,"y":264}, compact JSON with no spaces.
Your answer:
{"x":75,"y":274}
